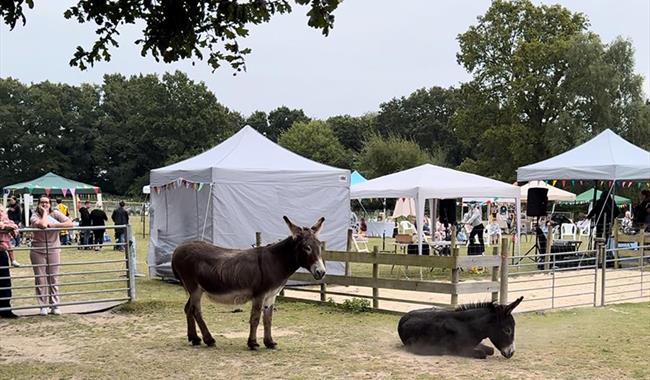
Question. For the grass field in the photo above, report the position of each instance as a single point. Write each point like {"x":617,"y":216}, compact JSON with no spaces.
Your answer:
{"x":147,"y":339}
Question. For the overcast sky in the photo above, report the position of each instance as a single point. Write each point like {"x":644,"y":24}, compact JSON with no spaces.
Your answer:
{"x":378,"y":50}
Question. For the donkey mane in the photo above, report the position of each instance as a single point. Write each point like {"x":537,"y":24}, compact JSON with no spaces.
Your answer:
{"x":476,"y":305}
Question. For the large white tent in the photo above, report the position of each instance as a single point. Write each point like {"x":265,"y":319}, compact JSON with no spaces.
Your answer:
{"x":433,"y":182}
{"x":605,"y":157}
{"x":242,"y":186}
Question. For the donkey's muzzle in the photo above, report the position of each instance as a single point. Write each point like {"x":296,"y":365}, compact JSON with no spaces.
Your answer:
{"x":318,"y":273}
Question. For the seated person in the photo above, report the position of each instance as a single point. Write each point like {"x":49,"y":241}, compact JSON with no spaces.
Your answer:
{"x":363,"y":228}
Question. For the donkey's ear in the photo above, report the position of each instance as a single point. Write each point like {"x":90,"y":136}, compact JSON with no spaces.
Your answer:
{"x":292,"y":227}
{"x":316,"y":227}
{"x":516,"y":302}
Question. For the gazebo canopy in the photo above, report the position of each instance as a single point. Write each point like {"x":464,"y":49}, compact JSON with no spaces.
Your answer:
{"x":356,"y":177}
{"x":52,"y":184}
{"x":605,"y":157}
{"x":588,"y":196}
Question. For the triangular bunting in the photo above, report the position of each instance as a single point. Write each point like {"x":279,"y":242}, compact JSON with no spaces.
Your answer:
{"x":64,"y":190}
{"x":47,"y":191}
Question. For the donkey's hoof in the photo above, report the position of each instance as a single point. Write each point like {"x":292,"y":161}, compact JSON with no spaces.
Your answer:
{"x":270,"y":343}
{"x":252,"y":345}
{"x":210,"y":342}
{"x":195,"y":341}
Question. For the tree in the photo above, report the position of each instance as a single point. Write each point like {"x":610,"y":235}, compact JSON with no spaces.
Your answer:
{"x":424,"y":117}
{"x":315,"y":140}
{"x":381,"y":156}
{"x":542,"y":83}
{"x":259,"y":121}
{"x":281,"y":119}
{"x":177,"y":29}
{"x":351,"y":130}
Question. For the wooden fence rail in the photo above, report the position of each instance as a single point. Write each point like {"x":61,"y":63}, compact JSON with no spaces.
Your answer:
{"x":454,"y":287}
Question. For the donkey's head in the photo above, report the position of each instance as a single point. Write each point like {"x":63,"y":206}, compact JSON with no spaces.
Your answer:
{"x":308,"y":247}
{"x":502,"y":332}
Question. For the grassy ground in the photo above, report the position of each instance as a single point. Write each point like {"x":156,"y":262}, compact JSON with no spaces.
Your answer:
{"x":147,"y":339}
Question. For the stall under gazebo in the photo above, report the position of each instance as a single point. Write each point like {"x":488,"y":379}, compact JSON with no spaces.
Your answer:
{"x":52,"y":184}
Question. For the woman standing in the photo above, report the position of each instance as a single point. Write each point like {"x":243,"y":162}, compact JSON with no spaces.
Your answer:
{"x":45,"y":254}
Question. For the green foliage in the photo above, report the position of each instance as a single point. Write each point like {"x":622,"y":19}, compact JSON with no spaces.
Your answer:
{"x":351,"y":130}
{"x":353,"y":305}
{"x":315,"y":140}
{"x":180,"y":29}
{"x":542,"y":84}
{"x":423,"y":117}
{"x":281,"y":119}
{"x":110,"y":135}
{"x":381,"y":156}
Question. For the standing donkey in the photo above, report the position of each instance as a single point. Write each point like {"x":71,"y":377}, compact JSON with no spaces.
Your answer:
{"x":232,"y":276}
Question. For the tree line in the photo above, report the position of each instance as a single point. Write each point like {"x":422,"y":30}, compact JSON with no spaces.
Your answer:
{"x":542,"y":83}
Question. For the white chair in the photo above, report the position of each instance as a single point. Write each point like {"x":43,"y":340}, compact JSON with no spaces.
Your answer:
{"x":569,"y":230}
{"x":405,"y":227}
{"x":585,"y":228}
{"x":360,"y":243}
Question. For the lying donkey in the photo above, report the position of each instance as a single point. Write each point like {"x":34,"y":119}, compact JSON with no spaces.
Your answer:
{"x":236,"y":276}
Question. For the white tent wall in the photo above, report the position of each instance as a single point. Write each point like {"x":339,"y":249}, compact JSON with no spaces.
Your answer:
{"x":241,"y":210}
{"x":179,"y":215}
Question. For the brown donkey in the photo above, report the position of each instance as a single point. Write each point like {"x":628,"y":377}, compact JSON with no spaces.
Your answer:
{"x":236,"y":276}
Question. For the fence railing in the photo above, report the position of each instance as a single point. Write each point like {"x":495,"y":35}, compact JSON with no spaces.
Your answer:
{"x":82,"y":280}
{"x":495,"y":285}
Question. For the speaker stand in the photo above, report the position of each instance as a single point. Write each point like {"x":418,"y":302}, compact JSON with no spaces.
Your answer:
{"x":534,"y":249}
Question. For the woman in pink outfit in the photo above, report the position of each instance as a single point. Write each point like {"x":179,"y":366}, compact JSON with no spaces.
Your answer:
{"x":45,"y":254}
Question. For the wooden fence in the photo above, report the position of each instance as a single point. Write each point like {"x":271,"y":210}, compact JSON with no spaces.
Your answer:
{"x":497,"y":284}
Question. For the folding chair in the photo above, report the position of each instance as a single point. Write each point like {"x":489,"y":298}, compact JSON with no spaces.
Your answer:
{"x":360,"y":243}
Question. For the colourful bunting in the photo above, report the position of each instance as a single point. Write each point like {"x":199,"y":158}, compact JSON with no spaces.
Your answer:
{"x":581,"y":182}
{"x":554,"y":182}
{"x":47,"y":191}
{"x":563,"y":183}
{"x":96,"y":189}
{"x":573,"y":182}
{"x":64,"y":190}
{"x":72,"y":191}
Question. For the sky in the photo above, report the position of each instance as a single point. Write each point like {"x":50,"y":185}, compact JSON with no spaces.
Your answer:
{"x":378,"y":50}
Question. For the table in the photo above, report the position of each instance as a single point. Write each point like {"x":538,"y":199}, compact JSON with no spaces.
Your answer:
{"x":378,"y":229}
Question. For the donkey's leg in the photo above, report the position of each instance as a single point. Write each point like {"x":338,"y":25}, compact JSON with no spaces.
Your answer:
{"x":191,"y":325}
{"x":256,"y":309}
{"x":267,"y":313}
{"x":487,"y":349}
{"x":198,"y":315}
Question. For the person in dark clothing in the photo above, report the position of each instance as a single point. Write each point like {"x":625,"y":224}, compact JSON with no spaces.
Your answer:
{"x":602,"y":213}
{"x":15,"y":215}
{"x":120,"y":217}
{"x":86,"y":235}
{"x":98,"y":218}
{"x":642,"y":210}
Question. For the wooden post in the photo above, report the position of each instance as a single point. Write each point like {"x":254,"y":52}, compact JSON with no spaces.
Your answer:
{"x":455,"y":278}
{"x":503,"y":284}
{"x":348,"y":248}
{"x":375,"y":276}
{"x":615,"y":246}
{"x":495,"y":274}
{"x":323,"y":286}
{"x":258,"y":239}
{"x":549,"y":244}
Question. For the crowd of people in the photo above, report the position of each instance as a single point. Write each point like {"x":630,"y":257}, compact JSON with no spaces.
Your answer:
{"x":45,"y":249}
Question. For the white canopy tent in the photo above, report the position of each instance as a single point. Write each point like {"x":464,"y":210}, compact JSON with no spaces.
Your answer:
{"x":242,"y":186}
{"x":433,"y":182}
{"x":554,"y":194}
{"x":605,"y":157}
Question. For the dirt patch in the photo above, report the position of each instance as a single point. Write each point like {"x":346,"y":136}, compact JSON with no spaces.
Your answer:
{"x":244,"y":334}
{"x":18,"y":348}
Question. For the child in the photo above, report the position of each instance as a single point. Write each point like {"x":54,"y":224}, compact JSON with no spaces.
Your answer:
{"x":8,"y":230}
{"x":494,"y":230}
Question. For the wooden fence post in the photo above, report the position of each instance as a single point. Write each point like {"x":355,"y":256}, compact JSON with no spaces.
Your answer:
{"x":258,"y":239}
{"x":323,"y":286}
{"x":503,"y":284}
{"x":495,"y":274}
{"x":375,"y":276}
{"x":348,"y":248}
{"x":602,"y":255}
{"x":455,"y":278}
